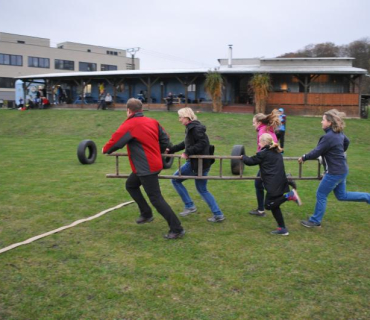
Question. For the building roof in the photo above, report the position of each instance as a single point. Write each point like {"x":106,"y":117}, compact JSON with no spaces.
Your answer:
{"x":98,"y":74}
{"x":240,"y":66}
{"x":293,"y":69}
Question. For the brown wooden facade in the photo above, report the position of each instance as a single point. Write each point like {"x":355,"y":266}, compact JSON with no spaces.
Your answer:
{"x":317,"y":103}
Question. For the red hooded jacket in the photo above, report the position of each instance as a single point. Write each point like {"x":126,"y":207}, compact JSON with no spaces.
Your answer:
{"x":145,"y":140}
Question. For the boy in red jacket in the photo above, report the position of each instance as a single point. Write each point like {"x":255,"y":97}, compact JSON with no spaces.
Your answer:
{"x":145,"y":140}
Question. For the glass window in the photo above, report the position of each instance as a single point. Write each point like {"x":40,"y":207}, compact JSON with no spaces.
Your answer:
{"x":64,"y":64}
{"x":86,"y":66}
{"x":7,"y":83}
{"x":192,"y":88}
{"x":10,"y":59}
{"x":13,"y":60}
{"x":107,"y":67}
{"x":36,"y":62}
{"x":6,"y":59}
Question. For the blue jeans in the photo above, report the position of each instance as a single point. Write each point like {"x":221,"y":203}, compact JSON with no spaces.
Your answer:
{"x":337,"y":183}
{"x":201,"y":186}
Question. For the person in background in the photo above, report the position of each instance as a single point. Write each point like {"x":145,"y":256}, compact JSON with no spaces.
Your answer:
{"x":280,"y":132}
{"x":102,"y":104}
{"x":44,"y":103}
{"x":274,"y":178}
{"x":108,"y":99}
{"x":196,"y":143}
{"x":263,"y":124}
{"x":145,"y":140}
{"x":21,"y":106}
{"x":331,"y":147}
{"x":169,"y":100}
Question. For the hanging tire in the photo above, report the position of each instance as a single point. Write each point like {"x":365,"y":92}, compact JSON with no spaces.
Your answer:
{"x":92,"y":152}
{"x":237,"y":150}
{"x":167,"y":161}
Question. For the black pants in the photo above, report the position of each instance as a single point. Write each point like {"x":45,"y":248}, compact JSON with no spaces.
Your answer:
{"x":150,"y":184}
{"x":281,"y":137}
{"x":273,"y":204}
{"x":260,"y":191}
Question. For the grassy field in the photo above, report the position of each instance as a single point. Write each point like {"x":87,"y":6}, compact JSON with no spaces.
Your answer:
{"x":112,"y":268}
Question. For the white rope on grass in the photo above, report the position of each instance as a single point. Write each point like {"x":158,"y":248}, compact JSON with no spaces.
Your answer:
{"x":15,"y":245}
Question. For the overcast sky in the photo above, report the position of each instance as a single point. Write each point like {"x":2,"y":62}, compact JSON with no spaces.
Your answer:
{"x":192,"y":33}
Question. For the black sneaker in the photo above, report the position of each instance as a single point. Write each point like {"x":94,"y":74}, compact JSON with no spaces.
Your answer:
{"x":174,"y":235}
{"x":257,"y":213}
{"x":142,"y":220}
{"x":281,"y":231}
{"x":291,"y":182}
{"x":310,"y":224}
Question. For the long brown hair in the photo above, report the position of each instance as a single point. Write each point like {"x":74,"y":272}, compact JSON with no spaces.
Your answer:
{"x":271,"y":120}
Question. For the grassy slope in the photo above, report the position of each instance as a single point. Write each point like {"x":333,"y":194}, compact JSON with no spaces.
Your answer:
{"x":111,"y":268}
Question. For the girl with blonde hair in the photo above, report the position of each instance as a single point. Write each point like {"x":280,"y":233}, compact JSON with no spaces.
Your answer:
{"x":274,"y":179}
{"x":196,"y":143}
{"x":263,"y":124}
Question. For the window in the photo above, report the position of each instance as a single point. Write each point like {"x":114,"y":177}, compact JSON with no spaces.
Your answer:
{"x":87,"y":90}
{"x":86,"y":66}
{"x":88,"y":50}
{"x":19,"y":41}
{"x":64,"y":64}
{"x":107,"y":67}
{"x":129,"y":66}
{"x":192,"y":88}
{"x":36,"y":62}
{"x":11,"y":59}
{"x":7,"y":83}
{"x":113,"y":53}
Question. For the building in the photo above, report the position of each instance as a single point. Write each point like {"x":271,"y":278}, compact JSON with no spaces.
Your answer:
{"x":303,"y":86}
{"x":24,"y":55}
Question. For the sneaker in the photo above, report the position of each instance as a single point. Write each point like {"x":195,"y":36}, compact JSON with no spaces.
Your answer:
{"x":174,"y":235}
{"x":281,"y":231}
{"x":257,"y":213}
{"x":293,"y":196}
{"x":310,"y":224}
{"x":188,"y":211}
{"x":216,"y":218}
{"x":291,"y":182}
{"x":142,"y":220}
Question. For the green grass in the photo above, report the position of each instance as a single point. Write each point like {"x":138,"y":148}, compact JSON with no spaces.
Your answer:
{"x":111,"y":268}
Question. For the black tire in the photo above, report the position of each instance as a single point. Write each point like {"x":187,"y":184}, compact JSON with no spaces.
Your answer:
{"x":167,"y":161}
{"x":237,"y":150}
{"x":81,"y":152}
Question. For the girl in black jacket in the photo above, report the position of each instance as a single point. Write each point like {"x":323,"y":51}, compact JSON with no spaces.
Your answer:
{"x":274,"y":179}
